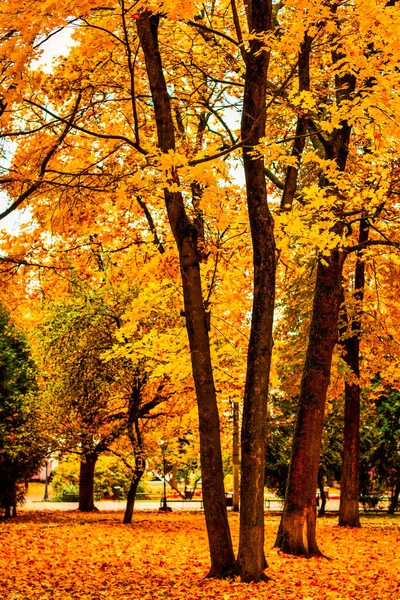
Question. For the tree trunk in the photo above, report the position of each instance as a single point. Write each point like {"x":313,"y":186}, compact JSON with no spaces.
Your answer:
{"x":235,"y":457}
{"x":297,"y":530}
{"x":9,"y":500}
{"x":86,"y":483}
{"x":321,"y":511}
{"x":173,"y":481}
{"x":186,"y":236}
{"x":130,"y":503}
{"x":394,"y":500}
{"x":349,"y":515}
{"x":251,"y":558}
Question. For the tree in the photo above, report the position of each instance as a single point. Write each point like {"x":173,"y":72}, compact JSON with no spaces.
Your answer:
{"x":297,"y":532}
{"x":380,"y":448}
{"x":91,"y":413}
{"x":139,"y":410}
{"x":251,"y":559}
{"x":137,"y":121}
{"x":23,"y":444}
{"x":350,"y":477}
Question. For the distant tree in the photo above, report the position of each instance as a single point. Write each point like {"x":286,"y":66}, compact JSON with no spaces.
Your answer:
{"x":380,"y":449}
{"x":99,"y":390}
{"x":280,"y":431}
{"x":22,"y":443}
{"x":91,"y":413}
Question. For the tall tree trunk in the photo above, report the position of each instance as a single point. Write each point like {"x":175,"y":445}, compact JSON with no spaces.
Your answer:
{"x":130,"y":503}
{"x":394,"y":500}
{"x":186,"y":236}
{"x":86,"y":483}
{"x":297,"y":530}
{"x":235,"y":457}
{"x":251,"y":559}
{"x":349,"y":515}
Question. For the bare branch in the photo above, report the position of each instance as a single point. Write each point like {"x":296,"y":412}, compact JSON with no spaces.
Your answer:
{"x":238,"y":30}
{"x":214,"y":31}
{"x":88,"y":131}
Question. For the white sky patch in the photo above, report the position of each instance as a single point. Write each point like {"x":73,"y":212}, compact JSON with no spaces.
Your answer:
{"x":56,"y":46}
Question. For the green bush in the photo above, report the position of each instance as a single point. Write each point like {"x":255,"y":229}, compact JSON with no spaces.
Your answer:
{"x":66,"y":478}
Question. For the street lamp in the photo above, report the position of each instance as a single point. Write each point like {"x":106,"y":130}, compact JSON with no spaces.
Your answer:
{"x":163,"y":506}
{"x":46,"y":485}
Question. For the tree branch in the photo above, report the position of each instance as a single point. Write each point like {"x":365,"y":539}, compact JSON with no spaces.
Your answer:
{"x":31,"y":189}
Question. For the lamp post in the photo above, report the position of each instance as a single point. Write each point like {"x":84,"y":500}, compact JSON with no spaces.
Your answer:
{"x":46,"y":485}
{"x":164,"y":507}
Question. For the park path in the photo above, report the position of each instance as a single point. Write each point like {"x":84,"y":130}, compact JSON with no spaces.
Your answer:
{"x":119,"y":505}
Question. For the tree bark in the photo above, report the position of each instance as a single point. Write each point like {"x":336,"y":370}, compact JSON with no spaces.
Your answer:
{"x":349,"y":515}
{"x":86,"y":483}
{"x":186,"y":237}
{"x":10,"y":508}
{"x":251,"y":559}
{"x":350,"y":487}
{"x":394,"y":500}
{"x":297,"y":530}
{"x":130,"y":503}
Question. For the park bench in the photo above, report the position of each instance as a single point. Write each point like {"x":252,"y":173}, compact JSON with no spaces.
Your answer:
{"x":271,"y":501}
{"x":182,"y":501}
{"x":69,"y":497}
{"x":374,"y":503}
{"x":199,"y":500}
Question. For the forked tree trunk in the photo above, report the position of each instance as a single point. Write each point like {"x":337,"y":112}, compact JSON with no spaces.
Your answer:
{"x":349,"y":515}
{"x":130,"y":503}
{"x":251,"y":558}
{"x":297,"y":530}
{"x":86,"y":483}
{"x":186,"y":235}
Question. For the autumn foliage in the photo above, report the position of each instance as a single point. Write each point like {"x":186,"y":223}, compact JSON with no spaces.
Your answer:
{"x":210,"y":216}
{"x":66,"y":556}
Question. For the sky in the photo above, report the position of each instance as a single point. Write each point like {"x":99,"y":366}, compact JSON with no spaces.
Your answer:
{"x":58,"y":45}
{"x":55,"y":47}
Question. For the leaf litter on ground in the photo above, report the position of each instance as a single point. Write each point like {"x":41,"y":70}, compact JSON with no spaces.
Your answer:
{"x":69,"y":555}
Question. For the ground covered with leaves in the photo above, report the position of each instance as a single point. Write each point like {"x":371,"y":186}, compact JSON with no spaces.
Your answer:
{"x":67,"y":555}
